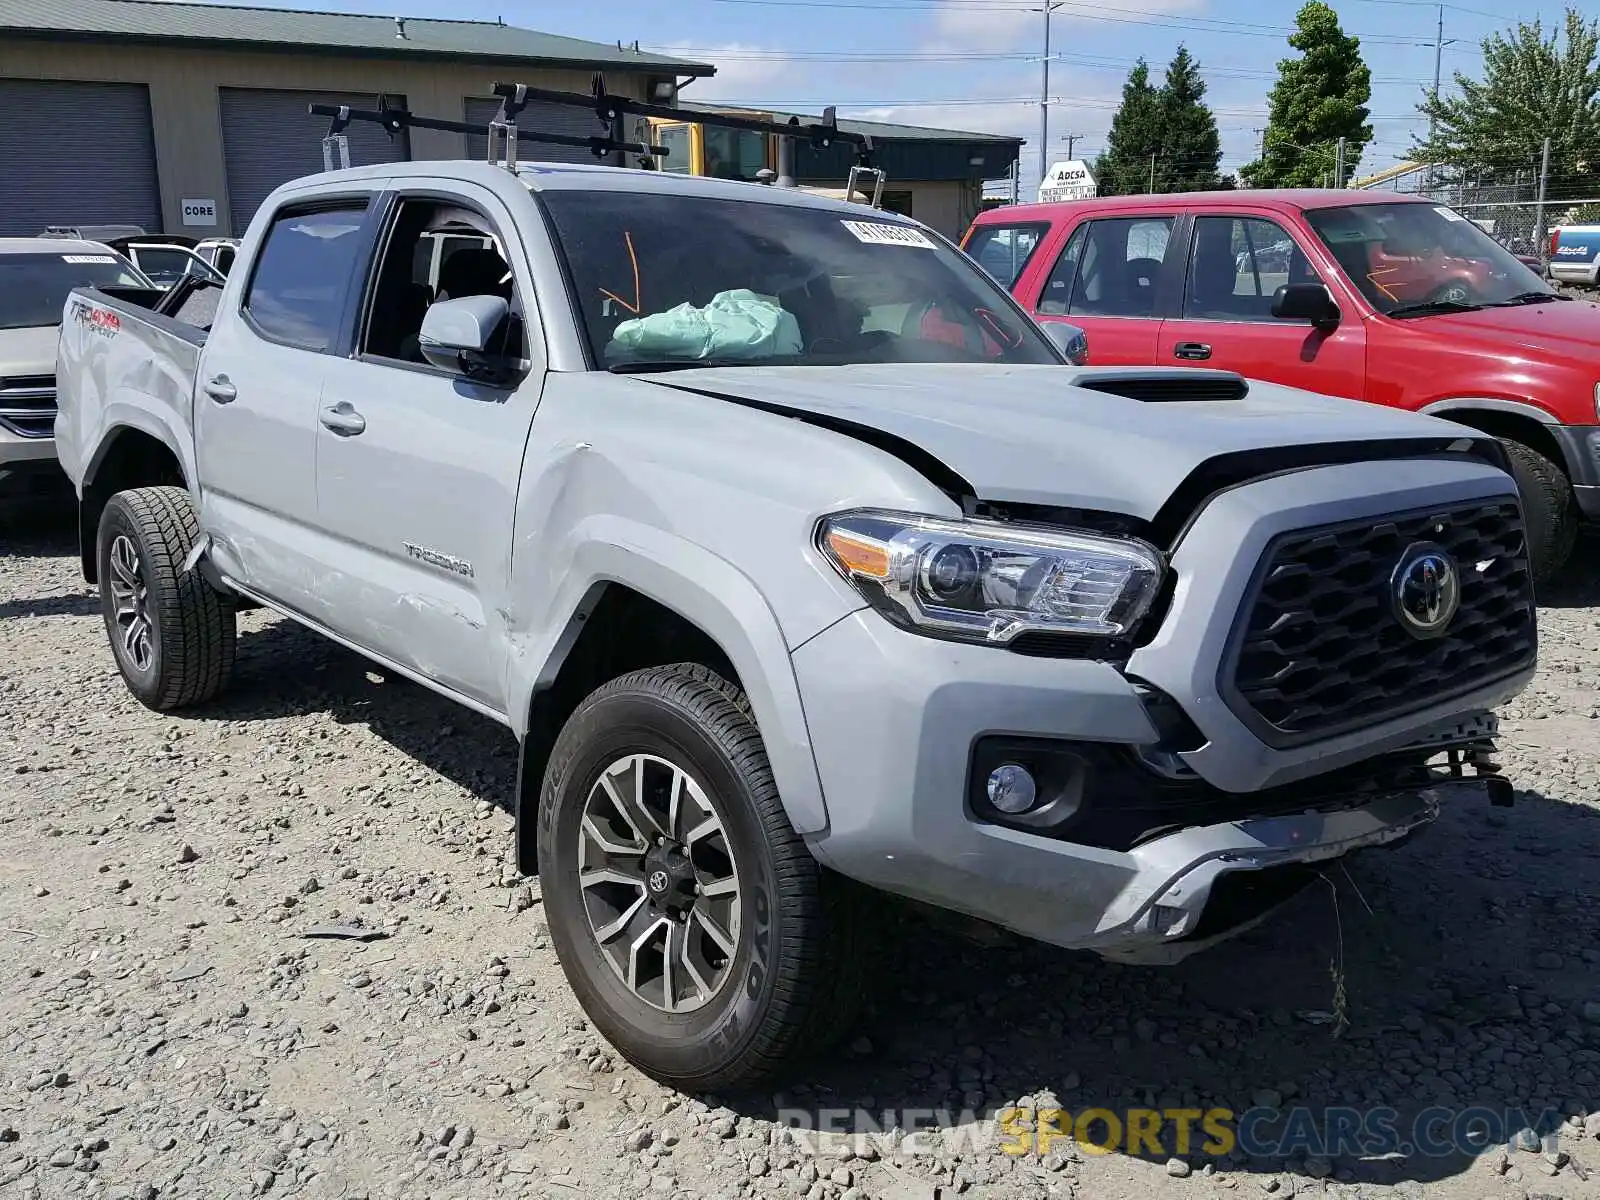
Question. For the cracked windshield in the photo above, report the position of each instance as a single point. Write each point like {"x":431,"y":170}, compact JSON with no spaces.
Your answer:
{"x":679,"y":279}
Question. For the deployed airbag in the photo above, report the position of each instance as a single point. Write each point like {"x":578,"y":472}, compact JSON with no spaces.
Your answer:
{"x":736,"y":324}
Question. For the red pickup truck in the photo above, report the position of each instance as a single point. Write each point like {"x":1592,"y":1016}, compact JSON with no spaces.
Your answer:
{"x":1368,"y":295}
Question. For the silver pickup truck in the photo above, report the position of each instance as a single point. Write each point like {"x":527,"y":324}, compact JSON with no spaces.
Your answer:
{"x":794,"y":554}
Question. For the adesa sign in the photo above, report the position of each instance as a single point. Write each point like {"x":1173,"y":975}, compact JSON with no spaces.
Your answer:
{"x":1067,"y":181}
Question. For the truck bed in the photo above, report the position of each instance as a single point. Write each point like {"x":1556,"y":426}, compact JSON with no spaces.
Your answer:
{"x":120,"y":363}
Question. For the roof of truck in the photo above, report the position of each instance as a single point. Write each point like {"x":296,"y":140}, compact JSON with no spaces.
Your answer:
{"x":51,"y":245}
{"x":1282,"y":199}
{"x":554,"y":177}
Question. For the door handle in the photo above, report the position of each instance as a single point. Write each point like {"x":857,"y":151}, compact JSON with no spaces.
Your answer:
{"x":221,"y":390}
{"x":343,"y":420}
{"x":1191,"y":350}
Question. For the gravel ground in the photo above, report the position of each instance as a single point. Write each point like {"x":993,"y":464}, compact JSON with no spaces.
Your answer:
{"x":172,"y":1028}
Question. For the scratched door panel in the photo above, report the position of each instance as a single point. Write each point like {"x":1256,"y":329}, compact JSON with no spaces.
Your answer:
{"x":417,"y":466}
{"x":415,"y":515}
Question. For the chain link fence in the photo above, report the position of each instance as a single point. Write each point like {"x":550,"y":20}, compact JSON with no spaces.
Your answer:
{"x":1517,"y":208}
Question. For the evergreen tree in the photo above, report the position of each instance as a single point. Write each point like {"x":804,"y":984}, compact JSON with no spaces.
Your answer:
{"x":1318,"y":98}
{"x":1533,"y":87}
{"x":1124,"y":167}
{"x":1188,"y":130}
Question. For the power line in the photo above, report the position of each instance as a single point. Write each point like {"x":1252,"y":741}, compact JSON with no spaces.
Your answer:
{"x":1073,"y":8}
{"x":891,"y":55}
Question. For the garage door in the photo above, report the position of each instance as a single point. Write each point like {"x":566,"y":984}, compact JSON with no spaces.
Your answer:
{"x":269,"y":138}
{"x":76,"y":154}
{"x":569,"y":121}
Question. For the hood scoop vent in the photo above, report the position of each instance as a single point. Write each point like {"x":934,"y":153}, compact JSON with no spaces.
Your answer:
{"x":1170,"y":388}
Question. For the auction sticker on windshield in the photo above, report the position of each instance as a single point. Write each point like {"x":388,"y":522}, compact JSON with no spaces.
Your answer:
{"x":88,"y":258}
{"x":875,"y":233}
{"x":1449,"y":214}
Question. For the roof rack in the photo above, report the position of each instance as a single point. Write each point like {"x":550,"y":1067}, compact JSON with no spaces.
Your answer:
{"x":503,"y":134}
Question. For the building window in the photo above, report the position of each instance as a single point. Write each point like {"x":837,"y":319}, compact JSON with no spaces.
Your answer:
{"x":675,"y":140}
{"x":734,"y":153}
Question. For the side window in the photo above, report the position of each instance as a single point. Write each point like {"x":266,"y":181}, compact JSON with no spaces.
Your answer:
{"x":297,"y":293}
{"x":674,"y":138}
{"x":1120,"y":267}
{"x":1057,"y":293}
{"x":1237,"y":265}
{"x":225,"y":255}
{"x":407,"y":282}
{"x":1004,"y":250}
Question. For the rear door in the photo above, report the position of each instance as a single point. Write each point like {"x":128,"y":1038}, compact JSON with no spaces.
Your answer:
{"x":260,"y":378}
{"x":417,"y":467}
{"x":1235,"y":264}
{"x":1113,"y":277}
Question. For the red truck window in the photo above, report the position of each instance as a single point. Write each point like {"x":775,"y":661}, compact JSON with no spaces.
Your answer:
{"x":1109,"y":269}
{"x":1004,"y":250}
{"x":1237,"y":265}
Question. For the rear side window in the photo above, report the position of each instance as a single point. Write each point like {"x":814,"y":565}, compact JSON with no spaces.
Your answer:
{"x":1120,"y":264}
{"x":297,"y":292}
{"x":1004,"y":250}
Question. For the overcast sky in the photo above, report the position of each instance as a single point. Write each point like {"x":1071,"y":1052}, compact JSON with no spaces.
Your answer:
{"x":975,"y":64}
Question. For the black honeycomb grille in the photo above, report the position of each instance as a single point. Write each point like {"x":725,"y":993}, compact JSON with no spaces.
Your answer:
{"x":1322,"y":651}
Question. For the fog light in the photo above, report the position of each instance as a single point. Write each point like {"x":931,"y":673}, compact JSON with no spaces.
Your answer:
{"x":1011,"y":788}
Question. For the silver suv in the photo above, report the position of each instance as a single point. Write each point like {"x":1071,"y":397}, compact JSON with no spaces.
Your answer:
{"x":36,"y":274}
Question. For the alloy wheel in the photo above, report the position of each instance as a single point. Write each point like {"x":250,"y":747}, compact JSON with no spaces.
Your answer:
{"x":130,"y":596}
{"x":659,"y":882}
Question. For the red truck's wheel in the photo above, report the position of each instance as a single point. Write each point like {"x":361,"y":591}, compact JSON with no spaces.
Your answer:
{"x":1549,"y":509}
{"x":697,"y":931}
{"x":173,"y":636}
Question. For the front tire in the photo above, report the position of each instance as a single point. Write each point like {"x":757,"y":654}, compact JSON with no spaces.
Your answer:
{"x":695,"y":928}
{"x":172,"y":634}
{"x":1549,"y":509}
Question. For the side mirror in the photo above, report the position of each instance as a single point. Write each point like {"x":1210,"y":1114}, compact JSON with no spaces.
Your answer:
{"x":456,"y":336}
{"x":1306,"y":302}
{"x":1070,"y":340}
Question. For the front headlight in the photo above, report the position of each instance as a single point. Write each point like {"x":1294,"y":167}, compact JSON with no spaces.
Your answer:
{"x":989,"y":581}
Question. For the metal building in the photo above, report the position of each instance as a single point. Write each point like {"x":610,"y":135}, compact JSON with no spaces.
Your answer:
{"x":182,"y":117}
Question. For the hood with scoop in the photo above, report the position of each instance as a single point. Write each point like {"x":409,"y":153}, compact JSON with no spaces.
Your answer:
{"x":1108,"y":439}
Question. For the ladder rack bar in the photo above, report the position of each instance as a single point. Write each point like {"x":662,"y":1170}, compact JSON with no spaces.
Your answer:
{"x":609,"y":107}
{"x":396,"y":119}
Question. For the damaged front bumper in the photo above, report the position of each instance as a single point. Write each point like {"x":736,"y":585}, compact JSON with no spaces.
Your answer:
{"x":1192,"y":889}
{"x":1138,"y":860}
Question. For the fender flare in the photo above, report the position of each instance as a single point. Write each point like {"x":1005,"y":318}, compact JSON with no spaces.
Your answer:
{"x":120,"y":415}
{"x":1521,"y":408}
{"x":709,"y":592}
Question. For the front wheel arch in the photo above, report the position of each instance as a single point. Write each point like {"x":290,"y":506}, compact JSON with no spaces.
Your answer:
{"x":1539,"y":465}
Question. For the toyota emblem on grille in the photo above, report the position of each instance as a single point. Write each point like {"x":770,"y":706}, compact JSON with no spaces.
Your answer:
{"x":1426,"y":587}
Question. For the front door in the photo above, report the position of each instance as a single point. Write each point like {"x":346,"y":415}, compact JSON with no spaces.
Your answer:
{"x":417,"y":467}
{"x":1236,"y":264}
{"x":1107,"y":280}
{"x":260,"y":379}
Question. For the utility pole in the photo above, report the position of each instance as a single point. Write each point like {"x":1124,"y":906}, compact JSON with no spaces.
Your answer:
{"x":1152,"y":174}
{"x":1538,"y":208}
{"x":1338,"y":165}
{"x":1044,"y":100}
{"x":1072,"y":143}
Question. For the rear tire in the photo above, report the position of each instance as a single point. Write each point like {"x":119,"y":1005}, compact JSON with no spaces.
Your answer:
{"x":1549,"y":509}
{"x":790,"y":979}
{"x":172,"y":634}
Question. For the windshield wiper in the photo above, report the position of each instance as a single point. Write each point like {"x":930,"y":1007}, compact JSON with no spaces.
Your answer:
{"x":1529,"y":298}
{"x":1430,"y":307}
